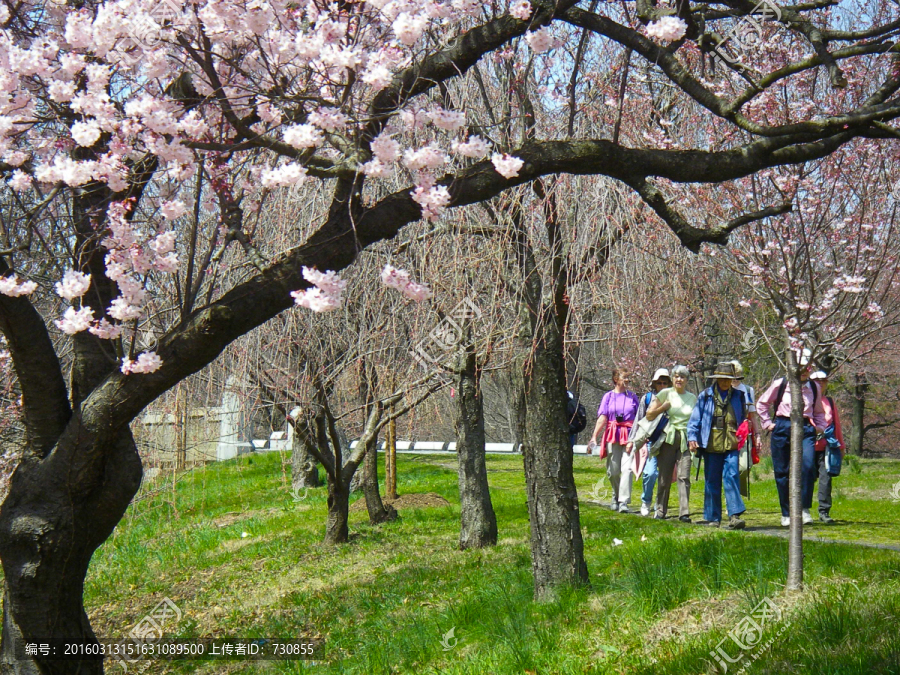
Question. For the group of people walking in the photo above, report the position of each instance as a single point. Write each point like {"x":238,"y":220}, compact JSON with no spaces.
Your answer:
{"x":660,"y":435}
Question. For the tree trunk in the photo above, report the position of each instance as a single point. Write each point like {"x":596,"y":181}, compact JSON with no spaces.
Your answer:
{"x":49,"y":529}
{"x":390,"y":459}
{"x":795,"y":536}
{"x":858,"y":430}
{"x":517,"y":410}
{"x":336,"y":530}
{"x":378,"y":512}
{"x":557,"y":549}
{"x":304,"y":469}
{"x":478,"y":524}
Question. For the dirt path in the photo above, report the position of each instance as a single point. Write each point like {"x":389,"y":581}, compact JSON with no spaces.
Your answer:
{"x":783,"y":533}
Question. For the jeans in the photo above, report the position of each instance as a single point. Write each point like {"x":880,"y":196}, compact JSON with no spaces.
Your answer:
{"x":824,"y":485}
{"x":618,"y":469}
{"x":649,"y":478}
{"x":781,"y":461}
{"x":670,"y":457}
{"x":721,"y":468}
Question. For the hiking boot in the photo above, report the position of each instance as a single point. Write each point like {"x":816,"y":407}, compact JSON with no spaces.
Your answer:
{"x":645,"y":508}
{"x":684,"y":519}
{"x":735,"y":523}
{"x":711,"y":523}
{"x":623,"y":508}
{"x":785,"y":521}
{"x":807,"y":519}
{"x":825,"y":518}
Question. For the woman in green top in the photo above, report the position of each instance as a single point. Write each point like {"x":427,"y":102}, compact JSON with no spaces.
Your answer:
{"x":678,"y":403}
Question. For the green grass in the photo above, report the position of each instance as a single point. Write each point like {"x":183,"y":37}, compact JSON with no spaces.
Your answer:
{"x":382,"y":602}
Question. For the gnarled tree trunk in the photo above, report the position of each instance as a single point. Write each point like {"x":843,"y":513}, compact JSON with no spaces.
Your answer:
{"x":50,"y":526}
{"x":379,"y":512}
{"x":557,"y":549}
{"x":478,"y":524}
{"x":336,"y":529}
{"x":304,"y":469}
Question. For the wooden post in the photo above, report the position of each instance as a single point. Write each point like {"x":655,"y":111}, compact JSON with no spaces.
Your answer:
{"x":180,"y":429}
{"x":390,"y":456}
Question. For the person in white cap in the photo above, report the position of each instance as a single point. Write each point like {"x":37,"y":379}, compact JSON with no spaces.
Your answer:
{"x":831,"y":417}
{"x":774,"y":409}
{"x":646,"y":466}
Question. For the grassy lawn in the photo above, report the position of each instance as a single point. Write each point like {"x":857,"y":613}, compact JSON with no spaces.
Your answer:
{"x":241,"y":558}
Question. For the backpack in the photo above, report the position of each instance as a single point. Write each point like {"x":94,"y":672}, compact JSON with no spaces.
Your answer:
{"x":653,"y":440}
{"x":577,"y":415}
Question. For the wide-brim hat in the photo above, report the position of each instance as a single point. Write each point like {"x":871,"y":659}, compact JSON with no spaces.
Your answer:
{"x":659,"y":374}
{"x":724,"y":370}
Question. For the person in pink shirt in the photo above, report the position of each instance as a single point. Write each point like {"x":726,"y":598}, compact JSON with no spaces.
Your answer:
{"x":775,"y":416}
{"x":614,"y":421}
{"x":831,"y":417}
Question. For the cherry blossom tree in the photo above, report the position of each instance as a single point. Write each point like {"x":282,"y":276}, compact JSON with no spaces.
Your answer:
{"x":830,"y":272}
{"x":140,"y":152}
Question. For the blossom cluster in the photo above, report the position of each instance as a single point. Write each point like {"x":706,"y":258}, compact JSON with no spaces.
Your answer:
{"x":326,"y":293}
{"x":667,"y":28}
{"x":402,"y":281}
{"x":12,"y":287}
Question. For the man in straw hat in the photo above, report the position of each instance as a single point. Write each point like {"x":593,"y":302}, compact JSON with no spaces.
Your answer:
{"x":712,"y":431}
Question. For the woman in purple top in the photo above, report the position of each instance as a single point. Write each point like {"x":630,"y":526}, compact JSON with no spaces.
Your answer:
{"x":615,"y":418}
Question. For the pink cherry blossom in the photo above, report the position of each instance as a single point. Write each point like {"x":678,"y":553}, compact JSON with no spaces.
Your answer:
{"x":409,"y":27}
{"x":401,"y":280}
{"x":329,"y":119}
{"x":432,"y":199}
{"x":385,"y":148}
{"x":75,"y":320}
{"x":375,"y":168}
{"x":147,"y":362}
{"x":377,"y":76}
{"x":506,"y":165}
{"x":540,"y":40}
{"x":316,"y":299}
{"x":521,"y":9}
{"x":172,"y":209}
{"x":73,"y":285}
{"x":475,"y":146}
{"x":105,"y":330}
{"x":86,"y":133}
{"x":329,"y":281}
{"x":12,"y":287}
{"x":284,"y":175}
{"x":122,"y":310}
{"x":303,"y":136}
{"x":163,"y":243}
{"x":667,"y":28}
{"x":429,"y":157}
{"x":448,"y":120}
{"x":325,"y":296}
{"x":20,"y":181}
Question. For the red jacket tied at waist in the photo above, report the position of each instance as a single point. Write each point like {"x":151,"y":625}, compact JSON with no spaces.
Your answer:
{"x":617,"y":432}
